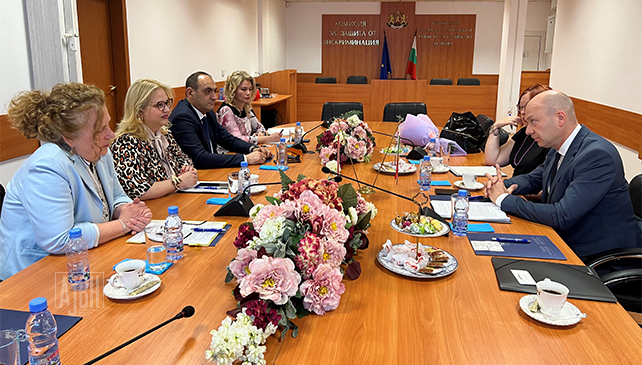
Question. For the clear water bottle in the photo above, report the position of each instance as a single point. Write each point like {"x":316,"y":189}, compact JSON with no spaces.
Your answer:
{"x":460,"y":213}
{"x":432,"y":147}
{"x":282,"y":154}
{"x":425,"y":174}
{"x":77,"y":261}
{"x":41,"y":331}
{"x":298,"y":133}
{"x":173,"y":237}
{"x":244,"y":177}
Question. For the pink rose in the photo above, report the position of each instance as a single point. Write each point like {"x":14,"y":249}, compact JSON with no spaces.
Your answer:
{"x":239,"y":266}
{"x":323,"y":292}
{"x":273,"y":278}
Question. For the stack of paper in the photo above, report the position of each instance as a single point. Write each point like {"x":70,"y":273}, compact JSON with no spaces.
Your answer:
{"x":477,"y":170}
{"x":208,"y":187}
{"x":478,"y":211}
{"x":191,"y":235}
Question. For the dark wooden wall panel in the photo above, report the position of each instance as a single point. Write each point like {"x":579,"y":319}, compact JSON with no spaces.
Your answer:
{"x":312,"y":97}
{"x":441,"y":101}
{"x":399,"y":40}
{"x":394,"y":91}
{"x":12,"y":143}
{"x":530,"y":78}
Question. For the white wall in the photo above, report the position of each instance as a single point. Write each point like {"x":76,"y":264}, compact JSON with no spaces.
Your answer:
{"x":14,"y":68}
{"x":274,"y":35}
{"x":304,"y":28}
{"x":168,"y":40}
{"x":597,"y":56}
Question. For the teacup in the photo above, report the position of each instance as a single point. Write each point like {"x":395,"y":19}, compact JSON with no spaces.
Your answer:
{"x":129,"y":275}
{"x":254,"y":179}
{"x":437,"y":163}
{"x":469,"y":179}
{"x":551,"y":297}
{"x":233,"y":183}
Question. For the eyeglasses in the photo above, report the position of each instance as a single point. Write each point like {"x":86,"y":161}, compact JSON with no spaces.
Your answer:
{"x":162,"y":104}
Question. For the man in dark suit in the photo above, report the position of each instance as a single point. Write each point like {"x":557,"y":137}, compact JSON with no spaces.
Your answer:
{"x":195,"y":128}
{"x":585,"y":196}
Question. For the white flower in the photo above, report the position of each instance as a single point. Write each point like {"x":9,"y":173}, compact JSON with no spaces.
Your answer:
{"x":332,"y":165}
{"x":255,"y":209}
{"x":272,"y":230}
{"x":372,"y":209}
{"x":352,"y":217}
{"x":353,"y":121}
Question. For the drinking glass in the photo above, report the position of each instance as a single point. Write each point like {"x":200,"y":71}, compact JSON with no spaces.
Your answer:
{"x":445,"y":154}
{"x":156,"y":252}
{"x":233,"y":184}
{"x":9,"y":347}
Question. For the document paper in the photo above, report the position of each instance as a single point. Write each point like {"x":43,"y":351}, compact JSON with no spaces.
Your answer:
{"x":477,"y":170}
{"x":478,"y":211}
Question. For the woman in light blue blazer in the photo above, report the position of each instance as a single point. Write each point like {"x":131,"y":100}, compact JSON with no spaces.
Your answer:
{"x":68,"y":182}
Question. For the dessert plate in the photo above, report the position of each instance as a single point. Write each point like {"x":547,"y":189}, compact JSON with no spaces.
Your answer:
{"x":123,"y":294}
{"x":444,"y":229}
{"x":448,"y":269}
{"x":476,"y":186}
{"x":569,"y":316}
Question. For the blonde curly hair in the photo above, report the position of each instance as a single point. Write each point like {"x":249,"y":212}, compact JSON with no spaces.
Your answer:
{"x":234,"y":80}
{"x":137,"y":99}
{"x":63,"y":111}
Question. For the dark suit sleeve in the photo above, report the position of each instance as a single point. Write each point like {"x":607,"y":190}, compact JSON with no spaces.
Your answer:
{"x":588,"y":180}
{"x":229,"y":141}
{"x":186,"y":133}
{"x":530,"y":183}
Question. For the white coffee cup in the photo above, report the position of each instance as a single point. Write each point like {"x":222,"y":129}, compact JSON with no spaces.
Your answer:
{"x":129,"y":275}
{"x":437,"y":162}
{"x":469,"y":179}
{"x":254,"y":179}
{"x":551,"y":297}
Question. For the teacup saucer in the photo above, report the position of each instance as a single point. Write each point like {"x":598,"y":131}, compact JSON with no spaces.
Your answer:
{"x":440,"y":170}
{"x":569,"y":316}
{"x":476,"y":186}
{"x":123,"y":294}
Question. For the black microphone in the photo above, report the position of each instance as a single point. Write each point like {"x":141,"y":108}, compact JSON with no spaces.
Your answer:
{"x":185,"y":313}
{"x":300,"y":145}
{"x":426,"y":211}
{"x":240,"y":205}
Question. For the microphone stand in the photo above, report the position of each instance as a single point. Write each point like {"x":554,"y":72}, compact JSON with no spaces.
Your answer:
{"x":300,"y":145}
{"x":185,"y":313}
{"x":240,"y":205}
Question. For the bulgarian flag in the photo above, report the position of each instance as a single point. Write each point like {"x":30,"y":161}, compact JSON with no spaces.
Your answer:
{"x":412,"y":60}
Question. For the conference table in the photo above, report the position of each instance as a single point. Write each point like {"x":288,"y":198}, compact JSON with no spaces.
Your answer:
{"x":383,"y":318}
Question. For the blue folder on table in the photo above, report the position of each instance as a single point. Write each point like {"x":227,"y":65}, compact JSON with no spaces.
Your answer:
{"x":540,"y":247}
{"x":12,"y":319}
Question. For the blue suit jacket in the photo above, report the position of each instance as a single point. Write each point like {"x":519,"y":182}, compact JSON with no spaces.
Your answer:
{"x":588,"y":204}
{"x":50,"y":194}
{"x":188,"y":132}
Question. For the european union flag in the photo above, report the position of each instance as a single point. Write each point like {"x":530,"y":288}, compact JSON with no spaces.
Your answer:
{"x":386,"y":70}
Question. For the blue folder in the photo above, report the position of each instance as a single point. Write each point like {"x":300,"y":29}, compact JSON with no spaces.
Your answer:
{"x":540,"y":247}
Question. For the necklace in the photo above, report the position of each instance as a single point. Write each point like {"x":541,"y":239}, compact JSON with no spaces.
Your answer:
{"x":520,"y":148}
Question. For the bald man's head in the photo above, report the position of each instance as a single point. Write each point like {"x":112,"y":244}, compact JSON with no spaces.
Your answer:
{"x":551,"y":118}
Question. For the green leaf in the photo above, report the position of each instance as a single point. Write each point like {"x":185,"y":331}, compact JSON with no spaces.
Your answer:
{"x":364,"y":222}
{"x":272,"y":200}
{"x":349,"y":113}
{"x":229,"y":276}
{"x":285,"y":180}
{"x":295,"y":329}
{"x":348,"y":195}
{"x":302,"y":312}
{"x":290,"y":311}
{"x":300,"y":177}
{"x":270,"y":248}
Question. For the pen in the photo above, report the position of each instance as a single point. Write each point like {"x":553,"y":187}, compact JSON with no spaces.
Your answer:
{"x":211,"y":188}
{"x":513,"y":240}
{"x":198,"y":229}
{"x":478,"y":197}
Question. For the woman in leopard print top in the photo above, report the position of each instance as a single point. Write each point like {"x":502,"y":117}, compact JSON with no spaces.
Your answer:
{"x":149,"y":162}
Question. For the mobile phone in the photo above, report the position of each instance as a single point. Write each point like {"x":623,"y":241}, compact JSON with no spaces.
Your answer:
{"x":446,"y":191}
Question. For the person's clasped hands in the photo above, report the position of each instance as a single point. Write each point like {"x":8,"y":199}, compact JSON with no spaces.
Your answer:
{"x":189,"y":177}
{"x":495,"y":186}
{"x":135,"y":215}
{"x":258,"y":155}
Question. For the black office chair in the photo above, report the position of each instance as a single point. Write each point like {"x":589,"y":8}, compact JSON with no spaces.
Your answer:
{"x":466,"y":81}
{"x":621,"y":269}
{"x":325,"y":80}
{"x":332,"y":109}
{"x":2,"y":192}
{"x":392,"y":111}
{"x":441,"y":82}
{"x":357,"y":80}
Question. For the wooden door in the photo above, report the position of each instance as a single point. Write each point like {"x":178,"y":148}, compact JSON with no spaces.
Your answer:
{"x":103,"y":51}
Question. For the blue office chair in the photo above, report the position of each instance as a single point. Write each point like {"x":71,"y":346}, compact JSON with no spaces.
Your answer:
{"x":325,"y":80}
{"x":441,"y":82}
{"x":392,"y":111}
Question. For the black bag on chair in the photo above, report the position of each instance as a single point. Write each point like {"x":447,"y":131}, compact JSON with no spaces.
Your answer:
{"x":464,"y":129}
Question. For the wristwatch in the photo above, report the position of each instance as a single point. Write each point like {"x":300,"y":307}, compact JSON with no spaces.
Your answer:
{"x":495,"y":131}
{"x":177,"y":182}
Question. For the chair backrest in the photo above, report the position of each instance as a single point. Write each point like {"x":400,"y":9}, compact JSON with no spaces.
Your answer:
{"x":392,"y":110}
{"x":325,"y":80}
{"x":1,"y":196}
{"x":635,"y":190}
{"x":467,"y":81}
{"x":357,"y":80}
{"x":332,"y":109}
{"x":441,"y":82}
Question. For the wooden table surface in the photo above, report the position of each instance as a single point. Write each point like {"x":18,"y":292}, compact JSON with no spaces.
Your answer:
{"x":383,"y":318}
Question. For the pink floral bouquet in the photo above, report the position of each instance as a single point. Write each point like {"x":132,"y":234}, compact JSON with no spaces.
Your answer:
{"x":292,"y":257}
{"x":347,"y":138}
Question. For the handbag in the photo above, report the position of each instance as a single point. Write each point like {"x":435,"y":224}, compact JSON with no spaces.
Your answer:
{"x":464,"y":129}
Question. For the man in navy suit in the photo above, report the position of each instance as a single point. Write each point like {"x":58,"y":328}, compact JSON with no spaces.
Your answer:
{"x":196,"y":130}
{"x":585,"y":196}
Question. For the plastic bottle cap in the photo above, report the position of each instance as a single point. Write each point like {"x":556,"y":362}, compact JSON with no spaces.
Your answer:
{"x":462,"y":193}
{"x":433,"y":140}
{"x":426,"y":158}
{"x":283,"y":140}
{"x":244,"y":164}
{"x":37,"y":305}
{"x":172,"y":209}
{"x":298,"y":123}
{"x":75,"y":233}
